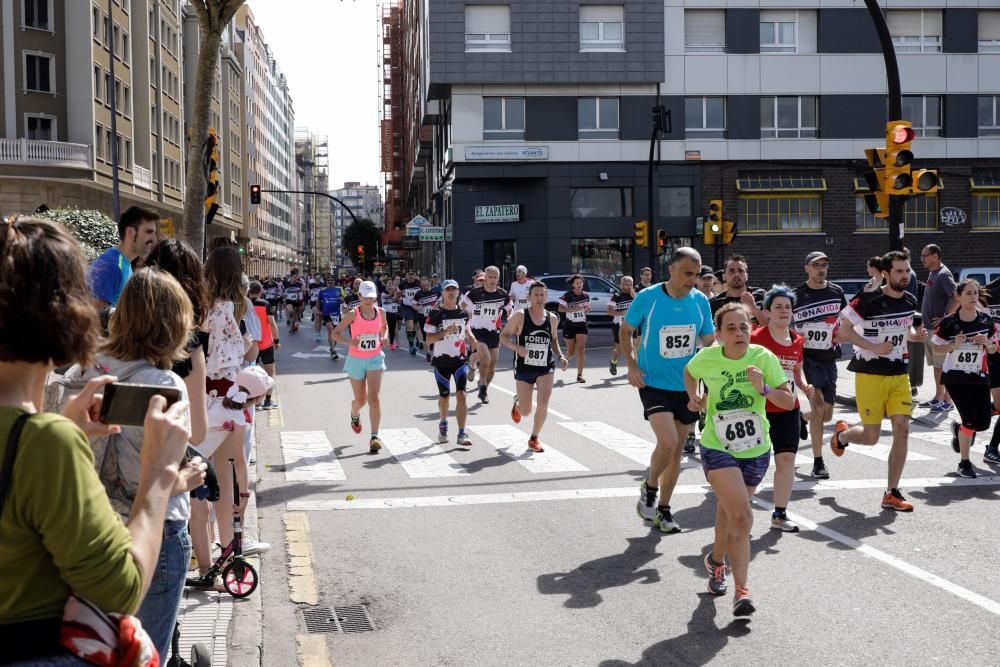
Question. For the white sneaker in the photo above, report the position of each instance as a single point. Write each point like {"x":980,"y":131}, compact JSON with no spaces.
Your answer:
{"x":252,"y":547}
{"x":646,"y":512}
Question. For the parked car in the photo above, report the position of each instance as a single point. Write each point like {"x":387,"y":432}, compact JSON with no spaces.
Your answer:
{"x":982,"y":274}
{"x":599,"y":289}
{"x":851,"y":286}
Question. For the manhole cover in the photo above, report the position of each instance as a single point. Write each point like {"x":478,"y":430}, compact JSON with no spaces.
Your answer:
{"x":354,"y":618}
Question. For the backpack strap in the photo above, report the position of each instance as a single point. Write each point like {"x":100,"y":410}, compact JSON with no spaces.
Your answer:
{"x":13,"y":439}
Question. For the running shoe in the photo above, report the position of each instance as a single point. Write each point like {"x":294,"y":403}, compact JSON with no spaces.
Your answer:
{"x":515,"y":414}
{"x":689,"y":443}
{"x":613,"y":367}
{"x":420,"y":344}
{"x":463,"y":439}
{"x":534,"y":444}
{"x":992,"y":455}
{"x":374,"y":444}
{"x":253,"y":547}
{"x":472,"y":375}
{"x":928,"y":404}
{"x":664,"y":520}
{"x":427,"y":357}
{"x":942,"y":406}
{"x":266,"y":405}
{"x":579,"y":378}
{"x":742,"y":602}
{"x":443,"y":432}
{"x":780,"y":521}
{"x":835,"y":446}
{"x":966,"y":470}
{"x":803,"y":429}
{"x":356,"y":423}
{"x":392,"y":347}
{"x":954,"y":438}
{"x":317,"y":338}
{"x":483,"y":398}
{"x":894,"y":500}
{"x":274,"y":405}
{"x":413,"y":351}
{"x":716,"y":577}
{"x":819,"y":470}
{"x":645,"y":510}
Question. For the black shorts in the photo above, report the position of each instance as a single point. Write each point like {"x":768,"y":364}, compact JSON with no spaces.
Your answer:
{"x":615,"y":330}
{"x":822,"y":375}
{"x":294,"y":303}
{"x":411,"y":315}
{"x":994,"y":364}
{"x":488,"y":337}
{"x":266,"y":356}
{"x":444,"y":374}
{"x":531,"y":375}
{"x":663,"y":400}
{"x":572,"y":329}
{"x":328,"y":319}
{"x":973,"y":404}
{"x":784,"y":430}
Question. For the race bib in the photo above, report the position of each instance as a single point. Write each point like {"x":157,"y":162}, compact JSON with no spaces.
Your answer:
{"x":967,"y":358}
{"x":538,"y":354}
{"x":817,"y":335}
{"x":455,"y":336}
{"x":896,"y":337}
{"x":677,"y":341}
{"x":577,"y":316}
{"x":368,"y":342}
{"x":391,"y":307}
{"x":490,"y":311}
{"x":522,"y":303}
{"x":739,"y":430}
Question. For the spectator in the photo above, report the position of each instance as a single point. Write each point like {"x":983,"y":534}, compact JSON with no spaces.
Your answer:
{"x":137,"y":230}
{"x":61,"y":534}
{"x":938,"y":300}
{"x":226,"y":342}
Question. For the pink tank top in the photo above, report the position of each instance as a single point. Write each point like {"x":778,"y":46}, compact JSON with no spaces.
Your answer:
{"x":370,"y":333}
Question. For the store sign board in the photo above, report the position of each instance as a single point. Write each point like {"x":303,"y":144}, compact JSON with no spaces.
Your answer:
{"x":432,"y":233}
{"x":506,"y":152}
{"x":498,"y":213}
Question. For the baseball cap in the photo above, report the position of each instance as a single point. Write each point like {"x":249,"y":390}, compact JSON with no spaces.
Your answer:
{"x":449,"y":284}
{"x":522,"y":268}
{"x":813,"y":256}
{"x":706,"y":271}
{"x":256,"y":380}
{"x":368,"y":290}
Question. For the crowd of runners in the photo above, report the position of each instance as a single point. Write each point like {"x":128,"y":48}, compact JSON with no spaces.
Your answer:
{"x":725,"y":370}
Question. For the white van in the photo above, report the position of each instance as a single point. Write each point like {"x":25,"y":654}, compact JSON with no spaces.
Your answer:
{"x":984,"y":275}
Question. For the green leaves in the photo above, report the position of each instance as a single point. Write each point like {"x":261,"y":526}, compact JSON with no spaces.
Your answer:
{"x":95,"y":231}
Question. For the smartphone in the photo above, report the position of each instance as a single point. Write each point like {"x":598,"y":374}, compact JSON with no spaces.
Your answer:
{"x":126,"y":404}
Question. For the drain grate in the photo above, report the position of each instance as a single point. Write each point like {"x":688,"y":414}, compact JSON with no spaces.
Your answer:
{"x":353,"y":618}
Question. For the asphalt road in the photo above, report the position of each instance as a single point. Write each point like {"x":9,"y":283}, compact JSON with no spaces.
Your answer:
{"x":493,"y":558}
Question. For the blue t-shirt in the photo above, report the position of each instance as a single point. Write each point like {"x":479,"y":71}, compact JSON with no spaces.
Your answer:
{"x":330,"y":298}
{"x":108,"y":275}
{"x":670,"y":332}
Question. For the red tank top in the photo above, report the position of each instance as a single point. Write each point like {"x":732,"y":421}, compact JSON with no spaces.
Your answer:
{"x":267,"y":339}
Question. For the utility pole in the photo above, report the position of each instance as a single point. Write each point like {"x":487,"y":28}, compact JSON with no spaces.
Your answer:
{"x":116,"y":206}
{"x":661,"y":125}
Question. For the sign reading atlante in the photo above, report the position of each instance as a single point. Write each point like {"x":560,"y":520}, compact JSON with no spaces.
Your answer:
{"x":506,"y":152}
{"x":499,"y":213}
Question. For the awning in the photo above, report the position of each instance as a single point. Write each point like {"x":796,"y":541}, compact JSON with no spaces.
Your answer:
{"x":780,"y":181}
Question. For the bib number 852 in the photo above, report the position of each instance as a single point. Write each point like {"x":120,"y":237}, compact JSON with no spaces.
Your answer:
{"x":677,"y":342}
{"x":739,"y":430}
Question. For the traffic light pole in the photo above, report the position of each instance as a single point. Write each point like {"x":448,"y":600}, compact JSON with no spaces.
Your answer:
{"x":322,"y":194}
{"x":661,"y":123}
{"x":896,"y":202}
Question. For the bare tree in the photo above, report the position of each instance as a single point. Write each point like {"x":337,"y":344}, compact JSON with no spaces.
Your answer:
{"x":213,"y":17}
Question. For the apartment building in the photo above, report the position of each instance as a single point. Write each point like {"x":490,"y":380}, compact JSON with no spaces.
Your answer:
{"x":528,"y":128}
{"x":312,"y":158}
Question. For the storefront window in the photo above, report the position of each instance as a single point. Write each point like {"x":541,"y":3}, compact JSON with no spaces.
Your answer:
{"x":608,"y":258}
{"x":674,"y":202}
{"x":601,"y":202}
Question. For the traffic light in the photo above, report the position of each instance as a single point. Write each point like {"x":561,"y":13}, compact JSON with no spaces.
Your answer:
{"x":642,"y":234}
{"x":926,"y":181}
{"x":898,"y":157}
{"x":212,"y":175}
{"x":713,"y":222}
{"x":728,"y":232}
{"x":661,"y":241}
{"x":876,"y":200}
{"x":254,"y":194}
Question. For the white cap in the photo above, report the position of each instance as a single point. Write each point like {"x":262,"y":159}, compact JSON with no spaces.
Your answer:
{"x":368,"y":290}
{"x":522,"y":268}
{"x":255,"y":380}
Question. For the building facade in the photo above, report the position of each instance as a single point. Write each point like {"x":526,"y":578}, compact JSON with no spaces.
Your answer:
{"x":528,"y":130}
{"x":366,"y":202}
{"x":312,"y":158}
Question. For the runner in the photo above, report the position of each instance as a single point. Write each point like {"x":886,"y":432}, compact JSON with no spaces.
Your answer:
{"x":875,"y":279}
{"x":674,"y":317}
{"x":485,"y":305}
{"x":737,"y":291}
{"x":617,"y":307}
{"x":316,"y":285}
{"x":331,"y":299}
{"x":273,"y":291}
{"x":966,"y":337}
{"x":519,"y":289}
{"x":294,"y":296}
{"x":645,"y":278}
{"x":365,"y":363}
{"x":269,"y":341}
{"x":818,"y":303}
{"x":425,"y":300}
{"x":576,"y":304}
{"x":390,"y":304}
{"x":478,"y":276}
{"x":449,"y":336}
{"x":992,"y":454}
{"x":353,"y":298}
{"x":409,"y":287}
{"x":740,"y":379}
{"x":783,"y":424}
{"x":706,"y":281}
{"x":531,"y":334}
{"x":885,"y":320}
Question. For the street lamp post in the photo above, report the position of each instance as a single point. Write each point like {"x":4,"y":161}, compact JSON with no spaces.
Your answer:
{"x":116,"y":207}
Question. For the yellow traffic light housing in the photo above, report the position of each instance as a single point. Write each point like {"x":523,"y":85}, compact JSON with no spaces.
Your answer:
{"x":642,"y":234}
{"x":212,"y":173}
{"x":898,"y":157}
{"x":728,"y":232}
{"x":878,"y":204}
{"x":926,"y":181}
{"x":713,"y":222}
{"x":661,"y":241}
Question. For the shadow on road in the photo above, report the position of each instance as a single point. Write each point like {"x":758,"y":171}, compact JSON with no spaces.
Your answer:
{"x":852,"y":523}
{"x":942,"y":496}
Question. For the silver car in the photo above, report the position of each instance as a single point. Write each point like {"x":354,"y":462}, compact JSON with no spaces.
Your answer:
{"x":599,"y":289}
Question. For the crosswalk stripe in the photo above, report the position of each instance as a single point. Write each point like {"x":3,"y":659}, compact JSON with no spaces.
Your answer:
{"x":309,"y":457}
{"x":943,"y":438}
{"x":622,"y":442}
{"x":419,"y":455}
{"x":881,"y":452}
{"x":514,"y":443}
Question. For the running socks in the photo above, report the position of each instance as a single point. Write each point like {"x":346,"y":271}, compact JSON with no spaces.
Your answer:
{"x":410,"y":335}
{"x":651,"y":492}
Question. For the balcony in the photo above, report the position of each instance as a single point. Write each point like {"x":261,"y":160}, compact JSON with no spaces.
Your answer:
{"x":31,"y":152}
{"x":142,"y":177}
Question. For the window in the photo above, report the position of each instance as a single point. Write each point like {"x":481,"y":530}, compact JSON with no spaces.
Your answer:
{"x":705,"y":30}
{"x":597,"y":117}
{"x":107,"y":30}
{"x":107,"y":88}
{"x":602,"y":27}
{"x":38,"y":72}
{"x":127,"y":102}
{"x":985,"y":187}
{"x":788,"y":117}
{"x":778,"y":32}
{"x":107,"y":145}
{"x":503,"y":118}
{"x":705,"y":117}
{"x":125,"y":49}
{"x":155,"y":168}
{"x":771,"y":181}
{"x":117,"y":36}
{"x":919,"y":213}
{"x":915,"y":31}
{"x":152,"y":72}
{"x":98,"y":81}
{"x":608,"y":258}
{"x":601,"y":202}
{"x":128,"y":155}
{"x":989,"y":31}
{"x":39,"y":128}
{"x":989,"y":121}
{"x":780,"y":201}
{"x":36,"y":14}
{"x":96,"y":19}
{"x":99,"y":141}
{"x":925,"y":114}
{"x":674,"y":202}
{"x":487,"y":27}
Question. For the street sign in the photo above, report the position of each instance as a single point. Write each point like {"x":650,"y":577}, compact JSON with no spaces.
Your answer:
{"x":498,"y":213}
{"x":448,"y":232}
{"x":167,"y":227}
{"x":432,"y":233}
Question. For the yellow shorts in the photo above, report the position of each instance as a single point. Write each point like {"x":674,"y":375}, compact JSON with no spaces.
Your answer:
{"x":882,"y":395}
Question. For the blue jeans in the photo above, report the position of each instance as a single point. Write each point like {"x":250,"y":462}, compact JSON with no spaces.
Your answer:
{"x":158,"y":612}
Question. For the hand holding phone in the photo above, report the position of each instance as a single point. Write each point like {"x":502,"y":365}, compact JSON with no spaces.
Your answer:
{"x":126,"y":404}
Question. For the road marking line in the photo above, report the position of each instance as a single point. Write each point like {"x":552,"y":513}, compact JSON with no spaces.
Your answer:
{"x":312,"y":651}
{"x":419,"y":455}
{"x":276,"y":418}
{"x":943,"y":438}
{"x":890,"y":560}
{"x":554,"y":413}
{"x":309,"y":457}
{"x":917,"y":483}
{"x":301,"y":579}
{"x":514,"y":443}
{"x":881,"y":452}
{"x":621,"y":442}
